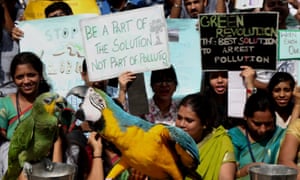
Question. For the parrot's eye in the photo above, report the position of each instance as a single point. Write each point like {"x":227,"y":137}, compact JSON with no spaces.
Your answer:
{"x":48,"y":100}
{"x":97,"y":101}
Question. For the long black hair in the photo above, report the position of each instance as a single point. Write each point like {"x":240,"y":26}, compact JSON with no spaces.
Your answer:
{"x":36,"y":63}
{"x":220,"y":100}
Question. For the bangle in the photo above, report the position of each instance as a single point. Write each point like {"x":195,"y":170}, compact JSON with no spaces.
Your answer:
{"x":251,"y":91}
{"x":176,"y":5}
{"x":100,"y":157}
{"x":238,"y":174}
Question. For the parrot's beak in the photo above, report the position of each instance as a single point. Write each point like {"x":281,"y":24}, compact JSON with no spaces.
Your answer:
{"x":78,"y":91}
{"x":61,"y":103}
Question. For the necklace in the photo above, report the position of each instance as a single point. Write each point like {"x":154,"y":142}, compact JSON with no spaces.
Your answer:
{"x":249,"y":146}
{"x":18,"y":106}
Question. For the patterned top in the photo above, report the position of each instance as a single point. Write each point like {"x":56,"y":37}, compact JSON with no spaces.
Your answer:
{"x":9,"y":117}
{"x":155,"y":115}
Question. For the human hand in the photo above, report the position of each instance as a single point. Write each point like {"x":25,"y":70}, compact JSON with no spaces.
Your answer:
{"x":136,"y":175}
{"x":125,"y":78}
{"x":17,"y":33}
{"x":244,"y":171}
{"x":248,"y":74}
{"x":296,"y":94}
{"x":85,"y":126}
{"x":94,"y":140}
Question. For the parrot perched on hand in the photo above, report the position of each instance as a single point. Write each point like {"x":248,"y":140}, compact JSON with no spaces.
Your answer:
{"x":35,"y":135}
{"x":156,"y":150}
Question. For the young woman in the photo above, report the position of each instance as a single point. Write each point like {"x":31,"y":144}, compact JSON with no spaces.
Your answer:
{"x":195,"y":116}
{"x":162,"y":106}
{"x":281,"y":87}
{"x":258,"y":139}
{"x":26,"y":71}
{"x":215,"y":86}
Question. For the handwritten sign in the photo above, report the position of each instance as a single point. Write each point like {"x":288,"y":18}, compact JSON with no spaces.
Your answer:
{"x":248,"y":4}
{"x":126,"y":41}
{"x":184,"y":55}
{"x":231,"y":40}
{"x":57,"y":41}
{"x":35,"y":8}
{"x":289,"y":44}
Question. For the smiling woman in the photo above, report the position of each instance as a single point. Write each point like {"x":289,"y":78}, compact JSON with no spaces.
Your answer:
{"x":162,"y":106}
{"x":26,"y":71}
{"x":281,"y":87}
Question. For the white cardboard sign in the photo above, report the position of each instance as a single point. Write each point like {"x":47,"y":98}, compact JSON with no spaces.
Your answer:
{"x":134,"y":40}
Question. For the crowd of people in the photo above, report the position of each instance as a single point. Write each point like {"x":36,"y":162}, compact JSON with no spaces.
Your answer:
{"x":268,"y":133}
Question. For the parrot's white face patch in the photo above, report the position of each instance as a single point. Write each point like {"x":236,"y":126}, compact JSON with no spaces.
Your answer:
{"x":92,"y":105}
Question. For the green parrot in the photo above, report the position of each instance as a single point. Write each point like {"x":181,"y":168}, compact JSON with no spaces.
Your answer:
{"x":35,"y":135}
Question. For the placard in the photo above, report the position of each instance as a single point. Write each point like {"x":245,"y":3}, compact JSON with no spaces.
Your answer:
{"x":57,"y":41}
{"x":231,"y":40}
{"x":248,"y":4}
{"x":185,"y":57}
{"x":134,"y":40}
{"x":289,"y":44}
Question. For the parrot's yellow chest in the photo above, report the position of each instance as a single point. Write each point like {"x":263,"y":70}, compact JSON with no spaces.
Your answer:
{"x":140,"y":149}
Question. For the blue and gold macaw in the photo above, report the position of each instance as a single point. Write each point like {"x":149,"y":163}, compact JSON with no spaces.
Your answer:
{"x":158,"y":151}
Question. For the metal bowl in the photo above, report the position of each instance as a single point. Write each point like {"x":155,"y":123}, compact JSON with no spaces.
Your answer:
{"x":272,"y":172}
{"x":61,"y":171}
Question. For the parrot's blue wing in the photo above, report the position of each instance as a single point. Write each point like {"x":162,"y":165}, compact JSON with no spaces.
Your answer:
{"x":185,"y":145}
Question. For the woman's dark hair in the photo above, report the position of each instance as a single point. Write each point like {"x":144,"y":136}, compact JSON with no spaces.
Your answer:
{"x":260,"y":101}
{"x":35,"y":62}
{"x":60,"y":5}
{"x":204,"y":108}
{"x":279,"y":77}
{"x":168,"y":74}
{"x":219,"y":100}
{"x":206,"y":76}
